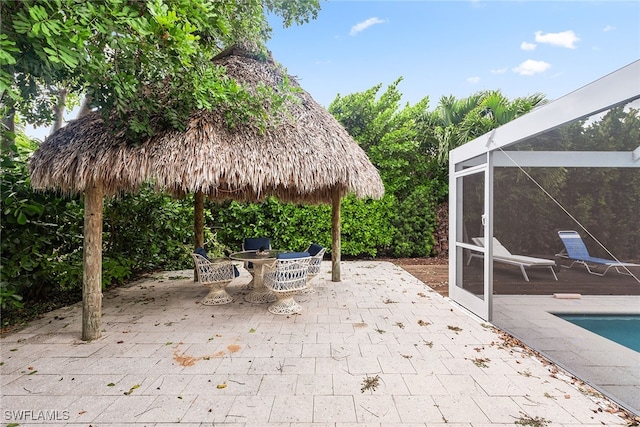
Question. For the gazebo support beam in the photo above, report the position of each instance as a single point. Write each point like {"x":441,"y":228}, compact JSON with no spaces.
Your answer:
{"x":92,"y":260}
{"x":335,"y":235}
{"x":198,"y":225}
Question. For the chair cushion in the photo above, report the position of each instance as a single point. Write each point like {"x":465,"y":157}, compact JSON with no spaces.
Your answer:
{"x":257,"y":243}
{"x":200,"y":251}
{"x":290,"y":255}
{"x":314,"y":248}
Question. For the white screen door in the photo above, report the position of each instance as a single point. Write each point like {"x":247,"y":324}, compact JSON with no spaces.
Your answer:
{"x":469,"y":270}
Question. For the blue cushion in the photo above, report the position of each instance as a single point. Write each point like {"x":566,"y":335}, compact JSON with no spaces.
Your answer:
{"x":236,"y":273}
{"x":257,"y":243}
{"x":290,"y":255}
{"x":202,"y":252}
{"x":314,"y":248}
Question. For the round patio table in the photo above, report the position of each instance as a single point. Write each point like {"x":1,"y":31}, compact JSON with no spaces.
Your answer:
{"x":259,"y":294}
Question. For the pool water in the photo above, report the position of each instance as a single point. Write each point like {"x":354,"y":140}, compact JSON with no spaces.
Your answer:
{"x":621,"y":328}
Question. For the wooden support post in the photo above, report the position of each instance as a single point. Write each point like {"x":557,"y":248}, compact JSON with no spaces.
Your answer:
{"x":198,"y":225}
{"x":335,"y":235}
{"x":92,"y":263}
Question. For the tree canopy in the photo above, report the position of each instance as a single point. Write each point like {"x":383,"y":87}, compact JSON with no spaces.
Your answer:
{"x":144,"y":63}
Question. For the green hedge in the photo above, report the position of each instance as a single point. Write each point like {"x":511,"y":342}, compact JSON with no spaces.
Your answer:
{"x":42,"y":232}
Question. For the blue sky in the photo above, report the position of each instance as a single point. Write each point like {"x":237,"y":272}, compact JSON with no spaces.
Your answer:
{"x":455,"y":47}
{"x":443,"y":48}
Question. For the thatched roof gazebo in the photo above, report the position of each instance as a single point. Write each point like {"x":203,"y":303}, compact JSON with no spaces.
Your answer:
{"x":304,"y":156}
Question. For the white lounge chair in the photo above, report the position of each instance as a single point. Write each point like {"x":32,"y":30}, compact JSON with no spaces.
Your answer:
{"x":502,"y":254}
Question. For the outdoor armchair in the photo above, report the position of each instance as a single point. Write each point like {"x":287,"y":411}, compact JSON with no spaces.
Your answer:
{"x":216,"y":274}
{"x":285,"y":277}
{"x":316,"y":253}
{"x":255,"y":244}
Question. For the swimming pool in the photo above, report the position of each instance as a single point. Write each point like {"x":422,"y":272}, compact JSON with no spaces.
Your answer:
{"x":621,"y":328}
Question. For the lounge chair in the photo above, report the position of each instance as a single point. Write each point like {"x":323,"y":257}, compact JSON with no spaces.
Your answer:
{"x":502,"y":254}
{"x":576,"y":251}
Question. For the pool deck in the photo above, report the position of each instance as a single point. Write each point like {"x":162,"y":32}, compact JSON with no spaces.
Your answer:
{"x":377,"y":349}
{"x":608,"y":366}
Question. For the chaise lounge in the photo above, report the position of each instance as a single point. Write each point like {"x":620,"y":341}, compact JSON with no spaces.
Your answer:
{"x":576,"y":251}
{"x":501,"y":254}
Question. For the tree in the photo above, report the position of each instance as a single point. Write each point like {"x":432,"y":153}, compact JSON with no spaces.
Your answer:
{"x":457,"y":121}
{"x":145,"y":64}
{"x":388,"y":134}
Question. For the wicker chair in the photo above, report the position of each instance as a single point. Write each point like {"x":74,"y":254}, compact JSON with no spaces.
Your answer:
{"x":317,"y":253}
{"x":254,"y":244}
{"x":285,"y":278}
{"x":216,"y":274}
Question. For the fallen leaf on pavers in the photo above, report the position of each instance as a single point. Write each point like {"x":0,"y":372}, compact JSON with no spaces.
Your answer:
{"x":82,"y":412}
{"x":233,"y":348}
{"x":127,"y":393}
{"x":223,"y":385}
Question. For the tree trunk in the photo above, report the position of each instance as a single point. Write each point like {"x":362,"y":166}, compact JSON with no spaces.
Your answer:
{"x":59,"y":111}
{"x":8,"y":135}
{"x":92,"y":264}
{"x":198,"y":225}
{"x":84,"y":108}
{"x":335,"y":235}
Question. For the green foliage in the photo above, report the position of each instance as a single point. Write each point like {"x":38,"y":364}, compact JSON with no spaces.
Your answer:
{"x":365,"y":224}
{"x":147,"y":231}
{"x":415,"y":222}
{"x":455,"y":122}
{"x":389,"y":135}
{"x":145,"y":64}
{"x":41,"y":233}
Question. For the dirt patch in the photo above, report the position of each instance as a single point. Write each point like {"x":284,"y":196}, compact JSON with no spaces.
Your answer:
{"x":233,"y":348}
{"x":432,"y":271}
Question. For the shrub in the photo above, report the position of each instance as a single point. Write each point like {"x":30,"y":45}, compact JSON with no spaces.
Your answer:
{"x":415,"y":222}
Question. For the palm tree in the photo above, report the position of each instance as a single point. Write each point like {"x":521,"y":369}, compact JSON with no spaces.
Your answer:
{"x":458,"y":121}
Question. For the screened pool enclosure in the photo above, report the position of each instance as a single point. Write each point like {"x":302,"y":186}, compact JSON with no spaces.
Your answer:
{"x":572,"y":164}
{"x":564,"y":177}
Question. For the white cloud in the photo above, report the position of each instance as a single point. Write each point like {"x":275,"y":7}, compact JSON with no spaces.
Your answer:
{"x":473,"y":80}
{"x":528,"y":46}
{"x":608,"y":28}
{"x":499,"y":70}
{"x":566,"y":39}
{"x":361,"y":26}
{"x":531,"y":67}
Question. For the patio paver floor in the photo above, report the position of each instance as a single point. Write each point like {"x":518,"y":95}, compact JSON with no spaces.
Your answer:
{"x":164,"y":359}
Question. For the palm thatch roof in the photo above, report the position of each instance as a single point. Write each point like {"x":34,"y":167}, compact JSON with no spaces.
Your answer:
{"x":302,"y":157}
